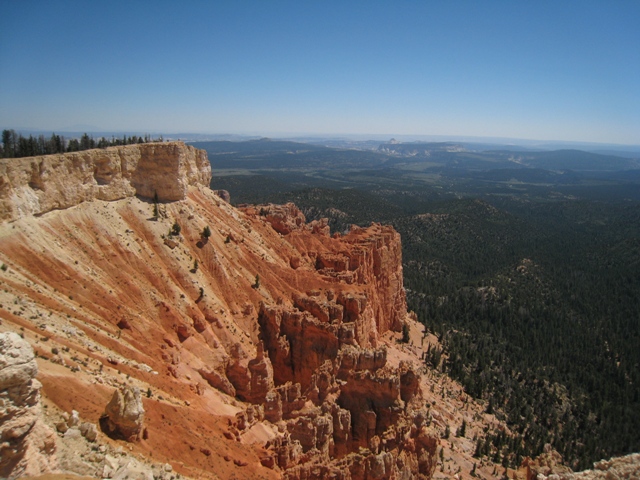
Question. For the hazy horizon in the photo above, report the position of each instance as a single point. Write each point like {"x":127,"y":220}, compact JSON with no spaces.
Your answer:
{"x":543,"y":144}
{"x":543,"y":72}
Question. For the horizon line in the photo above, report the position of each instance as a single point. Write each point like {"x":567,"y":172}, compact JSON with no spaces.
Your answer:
{"x":329,"y":136}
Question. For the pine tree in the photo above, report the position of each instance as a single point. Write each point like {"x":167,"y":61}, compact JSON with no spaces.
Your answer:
{"x":9,"y":141}
{"x":155,"y":205}
{"x":405,"y":333}
{"x":479,"y":447}
{"x":462,"y":430}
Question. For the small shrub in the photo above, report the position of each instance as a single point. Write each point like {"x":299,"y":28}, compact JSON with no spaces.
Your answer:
{"x":206,"y":232}
{"x":4,"y":267}
{"x":175,"y":229}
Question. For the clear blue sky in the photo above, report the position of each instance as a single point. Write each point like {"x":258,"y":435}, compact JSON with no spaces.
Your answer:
{"x":549,"y":70}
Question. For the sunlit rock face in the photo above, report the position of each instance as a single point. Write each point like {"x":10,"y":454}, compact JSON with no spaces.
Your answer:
{"x":36,"y":185}
{"x":260,"y":345}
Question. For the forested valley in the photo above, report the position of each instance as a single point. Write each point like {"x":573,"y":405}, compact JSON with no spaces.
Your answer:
{"x":534,"y":295}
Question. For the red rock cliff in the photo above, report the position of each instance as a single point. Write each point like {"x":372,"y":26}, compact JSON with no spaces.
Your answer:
{"x":260,"y":343}
{"x":332,"y":388}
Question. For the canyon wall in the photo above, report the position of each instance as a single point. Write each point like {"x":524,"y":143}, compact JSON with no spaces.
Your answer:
{"x":36,"y":185}
{"x":263,"y":347}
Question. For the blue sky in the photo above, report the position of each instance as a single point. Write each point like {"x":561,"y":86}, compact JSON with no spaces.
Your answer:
{"x":557,"y":70}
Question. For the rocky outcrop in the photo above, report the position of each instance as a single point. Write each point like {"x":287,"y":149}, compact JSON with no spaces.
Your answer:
{"x":549,"y":462}
{"x":356,"y":359}
{"x":218,"y":380}
{"x":224,"y":195}
{"x":124,"y":414}
{"x":290,"y":322}
{"x":376,"y":260}
{"x":346,"y":413}
{"x":548,"y":466}
{"x":27,"y":445}
{"x":316,"y":446}
{"x":297,"y":342}
{"x":337,"y":398}
{"x":627,"y":467}
{"x":283,"y":218}
{"x":36,"y":185}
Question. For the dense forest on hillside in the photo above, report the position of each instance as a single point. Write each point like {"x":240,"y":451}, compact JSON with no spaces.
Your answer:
{"x":538,"y":311}
{"x":537,"y":307}
{"x":532,"y":286}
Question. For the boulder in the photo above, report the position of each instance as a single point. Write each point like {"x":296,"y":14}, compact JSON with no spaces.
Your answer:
{"x":89,"y":431}
{"x":224,"y":195}
{"x":124,"y":414}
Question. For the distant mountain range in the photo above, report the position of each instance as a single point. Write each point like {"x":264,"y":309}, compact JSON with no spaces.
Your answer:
{"x":415,"y":156}
{"x":566,"y":159}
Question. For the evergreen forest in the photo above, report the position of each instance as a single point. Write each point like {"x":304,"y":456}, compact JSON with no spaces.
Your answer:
{"x":532,"y":286}
{"x":16,"y":145}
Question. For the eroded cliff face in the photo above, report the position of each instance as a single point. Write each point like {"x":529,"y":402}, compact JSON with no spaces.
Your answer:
{"x":263,"y":348}
{"x":36,"y":185}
